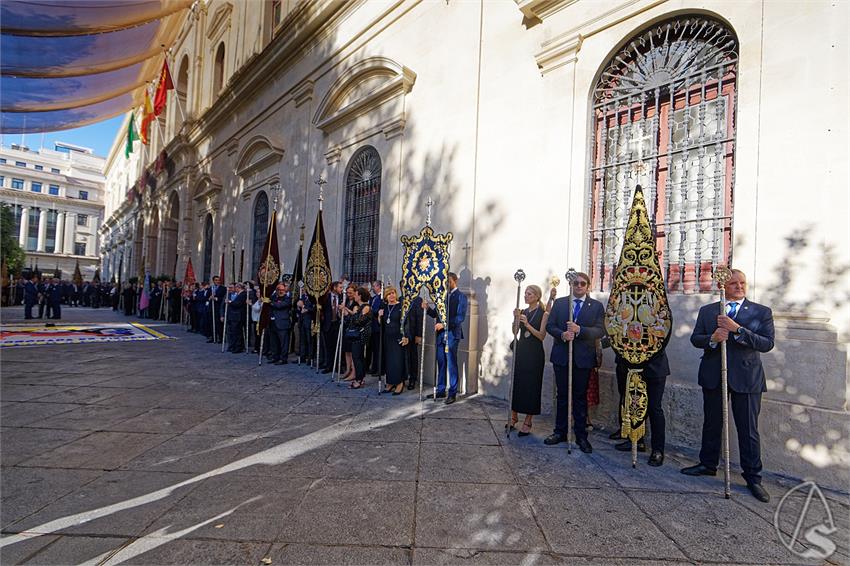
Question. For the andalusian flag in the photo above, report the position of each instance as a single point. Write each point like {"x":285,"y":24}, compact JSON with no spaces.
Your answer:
{"x":147,"y":118}
{"x":131,"y":135}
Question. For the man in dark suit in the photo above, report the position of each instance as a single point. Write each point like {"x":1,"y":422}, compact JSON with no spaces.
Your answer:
{"x":304,"y":320}
{"x":450,"y":335}
{"x":236,"y":301}
{"x":330,"y":326}
{"x":654,"y":374}
{"x":413,"y":321}
{"x":747,"y":329}
{"x":586,"y":328}
{"x":218,"y":294}
{"x":54,"y":299}
{"x":280,"y":324}
{"x":30,"y":297}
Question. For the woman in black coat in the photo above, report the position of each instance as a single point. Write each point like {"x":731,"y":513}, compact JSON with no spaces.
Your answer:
{"x":358,"y":329}
{"x":395,"y":342}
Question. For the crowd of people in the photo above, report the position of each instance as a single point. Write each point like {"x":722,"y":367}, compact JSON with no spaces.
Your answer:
{"x":357,"y":330}
{"x":49,"y":295}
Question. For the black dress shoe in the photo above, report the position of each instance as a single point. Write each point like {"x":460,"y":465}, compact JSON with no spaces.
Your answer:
{"x":584,"y":446}
{"x":439,"y":395}
{"x":411,"y":385}
{"x":656,"y":458}
{"x":615,"y":435}
{"x":327,"y":370}
{"x":699,"y":470}
{"x":210,"y":341}
{"x":627,"y":446}
{"x":279,"y":362}
{"x":450,"y":399}
{"x":759,"y":492}
{"x":554,"y":438}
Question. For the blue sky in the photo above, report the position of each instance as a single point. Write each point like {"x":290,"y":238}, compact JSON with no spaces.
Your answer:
{"x":98,"y":136}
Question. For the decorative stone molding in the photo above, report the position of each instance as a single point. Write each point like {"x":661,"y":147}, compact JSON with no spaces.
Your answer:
{"x":558,"y":52}
{"x":258,"y":165}
{"x":363,"y":87}
{"x":394,"y":128}
{"x":332,"y":155}
{"x":303,"y":92}
{"x":219,"y":22}
{"x":542,"y":9}
{"x":206,"y":195}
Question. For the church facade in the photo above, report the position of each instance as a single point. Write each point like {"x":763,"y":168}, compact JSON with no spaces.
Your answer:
{"x":528,"y":123}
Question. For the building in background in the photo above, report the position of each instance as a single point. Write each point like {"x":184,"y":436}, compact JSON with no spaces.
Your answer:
{"x":57,"y":199}
{"x":529,"y":123}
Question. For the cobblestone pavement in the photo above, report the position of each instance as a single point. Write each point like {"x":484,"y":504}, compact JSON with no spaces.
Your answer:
{"x":169,"y":452}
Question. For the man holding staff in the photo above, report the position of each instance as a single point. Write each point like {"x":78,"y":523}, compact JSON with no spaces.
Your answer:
{"x":582,"y":329}
{"x":747,"y":329}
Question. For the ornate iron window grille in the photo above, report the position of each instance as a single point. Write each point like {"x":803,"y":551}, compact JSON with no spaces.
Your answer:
{"x":664,"y":118}
{"x":362,"y":206}
{"x":261,"y":228}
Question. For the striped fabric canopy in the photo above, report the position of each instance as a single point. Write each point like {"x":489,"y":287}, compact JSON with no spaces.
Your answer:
{"x":68,"y":63}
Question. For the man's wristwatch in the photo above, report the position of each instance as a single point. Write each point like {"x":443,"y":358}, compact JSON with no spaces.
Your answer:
{"x":740,"y":331}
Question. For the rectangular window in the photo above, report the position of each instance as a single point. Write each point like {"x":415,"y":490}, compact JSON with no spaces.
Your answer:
{"x":54,"y":170}
{"x":18,"y":184}
{"x":50,"y":240}
{"x":35,"y":187}
{"x":82,"y":220}
{"x":2,"y":180}
{"x":39,"y":167}
{"x":84,"y":195}
{"x":20,"y":164}
{"x":54,"y":190}
{"x":79,"y":248}
{"x":32,"y":232}
{"x":2,"y":161}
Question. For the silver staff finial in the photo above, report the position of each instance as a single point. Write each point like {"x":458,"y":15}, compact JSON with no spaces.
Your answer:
{"x":571,"y":275}
{"x":519,"y":276}
{"x":275,"y":191}
{"x":722,"y":274}
{"x":321,"y":182}
{"x":429,"y":204}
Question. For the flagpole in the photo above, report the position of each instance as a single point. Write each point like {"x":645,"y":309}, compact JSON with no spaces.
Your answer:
{"x":321,"y":182}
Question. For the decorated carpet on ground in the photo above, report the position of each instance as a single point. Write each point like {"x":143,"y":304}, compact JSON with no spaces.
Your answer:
{"x":40,"y":335}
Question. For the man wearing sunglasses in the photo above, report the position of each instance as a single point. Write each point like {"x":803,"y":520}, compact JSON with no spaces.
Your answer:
{"x":586,"y":327}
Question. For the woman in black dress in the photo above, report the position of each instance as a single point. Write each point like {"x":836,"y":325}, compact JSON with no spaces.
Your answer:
{"x":530,"y":358}
{"x":395,"y":342}
{"x":349,"y":303}
{"x":358,"y":328}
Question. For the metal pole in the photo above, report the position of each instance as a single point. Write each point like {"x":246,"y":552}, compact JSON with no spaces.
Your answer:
{"x":422,"y":354}
{"x":247,"y":317}
{"x":519,"y":277}
{"x":224,"y":328}
{"x":318,"y":331}
{"x":337,"y":365}
{"x":722,"y":274}
{"x":262,"y":337}
{"x":381,"y":342}
{"x":571,"y":276}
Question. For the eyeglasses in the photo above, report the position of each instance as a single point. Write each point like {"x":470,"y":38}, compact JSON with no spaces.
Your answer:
{"x":579,"y":283}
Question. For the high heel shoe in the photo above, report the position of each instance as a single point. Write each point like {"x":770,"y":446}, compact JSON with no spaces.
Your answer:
{"x":356,"y":384}
{"x":525,"y":430}
{"x":510,"y":425}
{"x":399,"y":389}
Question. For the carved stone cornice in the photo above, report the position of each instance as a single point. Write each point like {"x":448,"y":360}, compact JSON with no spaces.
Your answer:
{"x":558,"y":52}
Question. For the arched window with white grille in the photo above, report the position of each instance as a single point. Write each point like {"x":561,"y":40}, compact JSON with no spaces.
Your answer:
{"x":663,"y":117}
{"x":362,"y":206}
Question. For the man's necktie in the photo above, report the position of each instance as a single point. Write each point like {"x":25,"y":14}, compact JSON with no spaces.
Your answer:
{"x":576,"y":308}
{"x":732,"y":309}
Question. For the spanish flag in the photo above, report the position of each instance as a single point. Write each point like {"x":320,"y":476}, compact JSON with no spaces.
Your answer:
{"x":147,"y":118}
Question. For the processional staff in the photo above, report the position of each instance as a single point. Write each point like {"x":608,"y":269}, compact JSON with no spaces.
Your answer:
{"x":722,"y":274}
{"x":321,"y":182}
{"x":571,"y":276}
{"x":519,"y":277}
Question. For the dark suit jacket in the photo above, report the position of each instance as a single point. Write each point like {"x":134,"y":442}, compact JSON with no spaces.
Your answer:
{"x":589,"y":319}
{"x":743,"y":353}
{"x":413,"y":321}
{"x":656,"y":367}
{"x":457,"y":314}
{"x":236,"y":308}
{"x":220,"y":294}
{"x":30,"y":293}
{"x":376,"y":303}
{"x":281,"y":307}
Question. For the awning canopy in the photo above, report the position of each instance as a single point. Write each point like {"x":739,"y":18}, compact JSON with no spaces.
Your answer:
{"x":68,"y":63}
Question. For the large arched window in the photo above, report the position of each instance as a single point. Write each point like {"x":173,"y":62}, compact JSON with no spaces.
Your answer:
{"x":663,"y":117}
{"x":362,"y":205}
{"x":208,"y":247}
{"x":261,"y":228}
{"x":218,"y":70}
{"x":182,"y":87}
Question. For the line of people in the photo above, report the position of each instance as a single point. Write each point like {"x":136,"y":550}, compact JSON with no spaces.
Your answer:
{"x":50,"y":294}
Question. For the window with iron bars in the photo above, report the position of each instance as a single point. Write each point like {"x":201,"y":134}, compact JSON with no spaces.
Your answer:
{"x":664,"y":118}
{"x":362,"y":206}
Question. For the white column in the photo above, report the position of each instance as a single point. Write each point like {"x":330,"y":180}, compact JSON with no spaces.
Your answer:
{"x":60,"y":233}
{"x":70,"y":221}
{"x":25,"y":227}
{"x":42,"y":230}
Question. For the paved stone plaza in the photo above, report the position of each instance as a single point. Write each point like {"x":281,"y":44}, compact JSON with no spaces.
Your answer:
{"x":169,"y":452}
